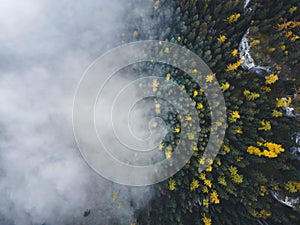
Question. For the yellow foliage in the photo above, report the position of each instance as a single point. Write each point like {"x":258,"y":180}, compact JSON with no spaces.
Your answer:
{"x":238,"y":131}
{"x":276,"y":113}
{"x":194,"y":71}
{"x":289,"y":24}
{"x":222,"y":38}
{"x":194,"y":185}
{"x":202,"y":176}
{"x":265,"y":89}
{"x":263,"y":189}
{"x":115,"y":195}
{"x":156,"y":5}
{"x":293,"y":9}
{"x":289,"y":34}
{"x":219,"y":123}
{"x":177,"y":130}
{"x":222,"y":180}
{"x":276,"y":188}
{"x":234,"y":52}
{"x":188,"y":118}
{"x":246,"y":92}
{"x":255,"y":42}
{"x":168,"y":154}
{"x":236,"y":178}
{"x":283,"y":47}
{"x":254,"y":150}
{"x":214,"y":197}
{"x":160,"y":146}
{"x":239,"y":159}
{"x":271,"y":79}
{"x":207,"y":183}
{"x":205,"y":189}
{"x":234,"y":115}
{"x":265,"y":125}
{"x":206,"y":220}
{"x":233,"y":18}
{"x":294,"y":24}
{"x":253,"y":96}
{"x":201,"y":161}
{"x":210,"y":77}
{"x":157,"y":111}
{"x":293,"y":186}
{"x":135,"y":33}
{"x":226,"y":148}
{"x":225,"y":86}
{"x":233,"y":170}
{"x":206,"y":202}
{"x":262,"y":214}
{"x":272,"y":150}
{"x":167,"y":50}
{"x":155,"y":85}
{"x":172,"y":184}
{"x":234,"y":66}
{"x":250,"y":95}
{"x":209,"y":168}
{"x":283,"y":102}
{"x":168,"y":76}
{"x":283,"y":26}
{"x":199,"y":105}
{"x":272,"y":49}
{"x":294,"y":38}
{"x":195,"y":94}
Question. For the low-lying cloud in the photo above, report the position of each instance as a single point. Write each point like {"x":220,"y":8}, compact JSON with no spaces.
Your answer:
{"x":45,"y":48}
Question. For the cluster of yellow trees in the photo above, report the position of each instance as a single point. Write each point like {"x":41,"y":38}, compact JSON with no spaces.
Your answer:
{"x":271,"y":150}
{"x":250,"y":96}
{"x":288,"y":26}
{"x":234,"y":66}
{"x":261,"y":214}
{"x":293,"y":186}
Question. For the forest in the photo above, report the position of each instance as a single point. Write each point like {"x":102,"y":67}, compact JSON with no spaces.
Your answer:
{"x":253,"y":49}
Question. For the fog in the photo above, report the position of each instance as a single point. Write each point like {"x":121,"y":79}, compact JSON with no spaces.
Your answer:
{"x":45,"y":48}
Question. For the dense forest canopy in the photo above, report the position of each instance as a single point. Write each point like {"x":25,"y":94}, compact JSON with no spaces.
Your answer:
{"x":252,"y":47}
